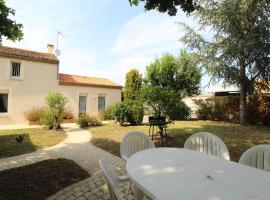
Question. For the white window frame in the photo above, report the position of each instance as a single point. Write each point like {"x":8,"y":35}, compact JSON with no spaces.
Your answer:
{"x":10,"y":70}
{"x":105,"y":97}
{"x":8,"y":92}
{"x":82,"y":93}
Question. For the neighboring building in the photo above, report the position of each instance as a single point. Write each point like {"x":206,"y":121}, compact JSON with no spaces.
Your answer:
{"x":26,"y":78}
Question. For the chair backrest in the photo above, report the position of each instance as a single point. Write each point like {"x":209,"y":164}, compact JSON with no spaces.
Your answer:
{"x":258,"y":157}
{"x":134,"y":142}
{"x":110,"y":179}
{"x":207,"y":143}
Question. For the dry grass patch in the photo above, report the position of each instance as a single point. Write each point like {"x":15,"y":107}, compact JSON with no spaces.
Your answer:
{"x":237,"y":138}
{"x":34,"y":139}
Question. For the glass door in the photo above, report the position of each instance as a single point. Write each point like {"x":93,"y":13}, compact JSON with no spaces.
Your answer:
{"x":82,"y":104}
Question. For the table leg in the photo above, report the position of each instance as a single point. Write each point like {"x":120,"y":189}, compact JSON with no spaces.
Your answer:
{"x":138,"y":193}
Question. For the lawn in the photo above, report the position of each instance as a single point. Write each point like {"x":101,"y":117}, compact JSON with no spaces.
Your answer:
{"x":34,"y":139}
{"x":237,"y":138}
{"x":39,"y":180}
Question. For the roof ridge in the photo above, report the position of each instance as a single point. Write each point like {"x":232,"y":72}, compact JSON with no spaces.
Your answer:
{"x":85,"y":76}
{"x":26,"y":50}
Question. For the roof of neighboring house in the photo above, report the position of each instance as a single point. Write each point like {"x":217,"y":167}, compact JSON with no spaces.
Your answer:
{"x":67,"y":79}
{"x":11,"y":52}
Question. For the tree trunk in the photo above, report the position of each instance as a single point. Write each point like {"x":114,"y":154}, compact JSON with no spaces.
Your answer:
{"x":243,"y":94}
{"x":243,"y":104}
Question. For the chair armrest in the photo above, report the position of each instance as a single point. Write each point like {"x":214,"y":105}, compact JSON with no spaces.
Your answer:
{"x":124,"y":158}
{"x":123,"y":178}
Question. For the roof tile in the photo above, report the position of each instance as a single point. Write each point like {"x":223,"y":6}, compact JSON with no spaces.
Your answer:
{"x":67,"y":79}
{"x":12,"y":52}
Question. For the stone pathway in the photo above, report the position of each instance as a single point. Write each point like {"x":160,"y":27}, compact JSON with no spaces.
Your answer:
{"x":76,"y":147}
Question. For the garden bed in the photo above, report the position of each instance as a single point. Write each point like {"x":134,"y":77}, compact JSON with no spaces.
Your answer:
{"x":34,"y":139}
{"x":39,"y":180}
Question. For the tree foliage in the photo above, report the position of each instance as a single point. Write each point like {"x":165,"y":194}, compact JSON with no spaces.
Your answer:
{"x":133,"y":85}
{"x":56,"y":102}
{"x":168,"y":79}
{"x":239,"y":51}
{"x":8,"y":27}
{"x":169,"y":6}
{"x":179,"y":74}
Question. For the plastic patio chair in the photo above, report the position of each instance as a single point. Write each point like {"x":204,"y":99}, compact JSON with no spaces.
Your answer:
{"x":207,"y":143}
{"x":112,"y":179}
{"x":134,"y":142}
{"x":258,"y":157}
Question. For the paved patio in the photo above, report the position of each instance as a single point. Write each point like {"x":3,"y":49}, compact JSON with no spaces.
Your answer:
{"x":78,"y":148}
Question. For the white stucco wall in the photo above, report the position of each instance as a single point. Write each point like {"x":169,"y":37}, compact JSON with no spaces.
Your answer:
{"x":111,"y":95}
{"x":38,"y":79}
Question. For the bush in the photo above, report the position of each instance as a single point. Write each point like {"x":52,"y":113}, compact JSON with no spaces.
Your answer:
{"x":135,"y":112}
{"x":180,"y":112}
{"x":94,"y":121}
{"x":48,"y":119}
{"x":83,"y":121}
{"x":259,"y":109}
{"x":34,"y":114}
{"x":121,"y":113}
{"x":205,"y":109}
{"x":219,"y":108}
{"x":68,"y":114}
{"x":56,"y":102}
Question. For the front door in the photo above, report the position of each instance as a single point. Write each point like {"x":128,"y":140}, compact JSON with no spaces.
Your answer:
{"x":82,"y":105}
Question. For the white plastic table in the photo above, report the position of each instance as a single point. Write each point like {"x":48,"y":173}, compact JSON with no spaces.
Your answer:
{"x":181,"y":174}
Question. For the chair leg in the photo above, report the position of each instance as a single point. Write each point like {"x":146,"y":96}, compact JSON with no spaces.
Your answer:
{"x":129,"y":185}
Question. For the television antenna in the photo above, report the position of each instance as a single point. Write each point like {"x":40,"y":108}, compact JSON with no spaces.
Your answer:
{"x":57,"y":50}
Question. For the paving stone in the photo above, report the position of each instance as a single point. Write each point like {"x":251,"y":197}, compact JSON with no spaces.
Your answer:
{"x":84,"y":154}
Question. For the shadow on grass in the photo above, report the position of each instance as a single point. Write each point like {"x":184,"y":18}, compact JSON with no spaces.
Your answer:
{"x":10,"y":147}
{"x":237,"y":138}
{"x":106,"y":144}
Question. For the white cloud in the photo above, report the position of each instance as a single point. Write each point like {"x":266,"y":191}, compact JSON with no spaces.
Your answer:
{"x":148,"y":32}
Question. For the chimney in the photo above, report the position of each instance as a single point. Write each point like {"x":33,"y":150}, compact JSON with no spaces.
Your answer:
{"x":50,"y":48}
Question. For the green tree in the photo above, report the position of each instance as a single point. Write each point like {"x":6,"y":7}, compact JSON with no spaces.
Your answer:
{"x":239,"y":51}
{"x":133,"y":85}
{"x":169,"y":6}
{"x":56,"y":102}
{"x":8,"y":27}
{"x":168,"y":79}
{"x":132,"y":97}
{"x":179,"y":74}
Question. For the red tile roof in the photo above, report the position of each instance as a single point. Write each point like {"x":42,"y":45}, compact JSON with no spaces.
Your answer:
{"x":67,"y":79}
{"x":16,"y":53}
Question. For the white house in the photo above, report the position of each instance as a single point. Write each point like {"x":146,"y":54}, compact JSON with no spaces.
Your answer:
{"x":26,"y":77}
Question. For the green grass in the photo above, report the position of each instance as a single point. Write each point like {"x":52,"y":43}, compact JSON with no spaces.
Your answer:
{"x":34,"y":139}
{"x":237,"y":138}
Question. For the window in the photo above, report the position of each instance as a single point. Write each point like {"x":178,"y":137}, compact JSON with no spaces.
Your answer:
{"x":101,"y":103}
{"x":15,"y":70}
{"x":3,"y":103}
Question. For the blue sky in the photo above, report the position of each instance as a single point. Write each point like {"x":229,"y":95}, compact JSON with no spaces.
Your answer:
{"x":102,"y":38}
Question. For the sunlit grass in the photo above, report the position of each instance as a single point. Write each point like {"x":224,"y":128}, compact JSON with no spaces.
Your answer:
{"x":237,"y":138}
{"x":34,"y":139}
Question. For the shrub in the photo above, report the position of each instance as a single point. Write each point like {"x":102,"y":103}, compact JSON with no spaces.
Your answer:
{"x":83,"y":121}
{"x":48,"y":119}
{"x":94,"y":121}
{"x":68,"y":114}
{"x":259,"y":109}
{"x":104,"y":114}
{"x":204,"y":109}
{"x":219,"y":108}
{"x":135,"y":112}
{"x":180,"y":112}
{"x":56,"y":102}
{"x":34,"y":114}
{"x":121,"y":113}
